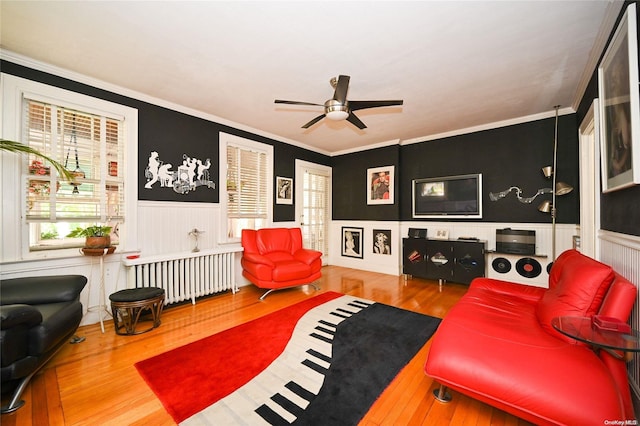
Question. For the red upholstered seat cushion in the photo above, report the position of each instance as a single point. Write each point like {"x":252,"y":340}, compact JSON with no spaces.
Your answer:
{"x":288,"y":270}
{"x":577,"y":286}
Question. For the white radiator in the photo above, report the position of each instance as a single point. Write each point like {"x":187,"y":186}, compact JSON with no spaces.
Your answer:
{"x":185,"y":276}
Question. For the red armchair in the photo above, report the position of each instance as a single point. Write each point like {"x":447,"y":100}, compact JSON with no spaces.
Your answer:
{"x":274,"y":259}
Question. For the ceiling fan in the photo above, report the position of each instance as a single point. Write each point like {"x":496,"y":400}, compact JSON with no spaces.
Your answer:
{"x":338,"y":107}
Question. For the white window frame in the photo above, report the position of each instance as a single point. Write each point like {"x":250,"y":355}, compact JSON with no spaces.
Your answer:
{"x":226,"y":139}
{"x":15,"y":239}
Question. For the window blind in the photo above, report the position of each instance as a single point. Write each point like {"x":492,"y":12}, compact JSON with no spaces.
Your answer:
{"x":246,"y":183}
{"x":87,"y":144}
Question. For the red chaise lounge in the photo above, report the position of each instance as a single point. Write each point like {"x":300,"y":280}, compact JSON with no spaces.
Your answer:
{"x":274,"y":259}
{"x":497,"y":345}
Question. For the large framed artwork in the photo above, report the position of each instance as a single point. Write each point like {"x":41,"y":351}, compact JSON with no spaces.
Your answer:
{"x":380,"y":185}
{"x":352,"y":242}
{"x":620,"y":107}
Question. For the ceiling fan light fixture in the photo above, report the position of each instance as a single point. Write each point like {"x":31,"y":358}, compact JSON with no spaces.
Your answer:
{"x":337,"y":115}
{"x":336,"y":111}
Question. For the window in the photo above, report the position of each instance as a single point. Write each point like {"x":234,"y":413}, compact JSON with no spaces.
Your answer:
{"x":248,"y":184}
{"x":93,"y":138}
{"x":88,"y":145}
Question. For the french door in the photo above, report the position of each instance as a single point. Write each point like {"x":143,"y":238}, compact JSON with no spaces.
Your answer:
{"x":313,"y":210}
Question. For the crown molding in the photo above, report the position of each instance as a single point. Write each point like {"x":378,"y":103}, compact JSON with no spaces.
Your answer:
{"x":100,"y":84}
{"x":490,"y":126}
{"x":606,"y":29}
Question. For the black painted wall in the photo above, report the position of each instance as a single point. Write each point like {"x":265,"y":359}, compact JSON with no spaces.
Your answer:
{"x":350,"y":186}
{"x":508,"y":156}
{"x":619,"y":210}
{"x":171,"y":132}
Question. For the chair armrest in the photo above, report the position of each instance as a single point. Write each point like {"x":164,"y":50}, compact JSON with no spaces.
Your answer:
{"x":307,"y":256}
{"x":258,"y":258}
{"x":14,"y":315}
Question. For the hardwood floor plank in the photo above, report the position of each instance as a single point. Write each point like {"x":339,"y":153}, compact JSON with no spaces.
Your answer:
{"x":96,"y":382}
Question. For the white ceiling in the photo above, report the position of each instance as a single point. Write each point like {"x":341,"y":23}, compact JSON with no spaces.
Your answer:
{"x":456,"y":64}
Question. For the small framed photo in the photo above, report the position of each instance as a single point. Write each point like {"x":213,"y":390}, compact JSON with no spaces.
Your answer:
{"x":382,"y":241}
{"x":284,"y":188}
{"x":620,"y":107}
{"x":380,"y":185}
{"x":352,"y":242}
{"x":441,"y":234}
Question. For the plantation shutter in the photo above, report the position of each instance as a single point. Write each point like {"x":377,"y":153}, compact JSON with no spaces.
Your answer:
{"x":87,"y":144}
{"x":246,"y":183}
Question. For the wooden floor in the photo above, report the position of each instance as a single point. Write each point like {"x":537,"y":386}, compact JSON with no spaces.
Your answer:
{"x":95,"y":382}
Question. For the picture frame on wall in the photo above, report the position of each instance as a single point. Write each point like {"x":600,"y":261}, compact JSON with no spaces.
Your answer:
{"x":380,"y":182}
{"x":382,"y":241}
{"x":284,"y":190}
{"x":352,"y":239}
{"x":620,"y":107}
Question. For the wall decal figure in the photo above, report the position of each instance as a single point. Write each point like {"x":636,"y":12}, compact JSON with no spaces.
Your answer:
{"x":192,"y":173}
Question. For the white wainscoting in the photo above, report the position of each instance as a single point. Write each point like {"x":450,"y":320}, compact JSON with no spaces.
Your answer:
{"x":622,"y":253}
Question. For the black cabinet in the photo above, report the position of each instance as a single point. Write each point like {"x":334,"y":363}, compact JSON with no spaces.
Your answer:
{"x":444,"y":260}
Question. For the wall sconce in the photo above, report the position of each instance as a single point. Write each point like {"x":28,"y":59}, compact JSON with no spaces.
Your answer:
{"x":524,"y":200}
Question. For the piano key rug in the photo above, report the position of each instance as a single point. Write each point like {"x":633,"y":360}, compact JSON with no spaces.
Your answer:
{"x":323,"y":361}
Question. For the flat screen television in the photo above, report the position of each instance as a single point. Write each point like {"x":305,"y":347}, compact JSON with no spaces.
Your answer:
{"x":448,"y":196}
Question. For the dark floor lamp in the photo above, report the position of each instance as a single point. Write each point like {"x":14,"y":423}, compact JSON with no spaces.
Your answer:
{"x":559,"y":188}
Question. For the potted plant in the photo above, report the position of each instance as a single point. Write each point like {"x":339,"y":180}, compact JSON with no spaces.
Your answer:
{"x":96,"y":236}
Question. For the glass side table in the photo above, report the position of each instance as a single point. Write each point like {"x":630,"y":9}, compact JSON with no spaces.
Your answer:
{"x":582,"y":329}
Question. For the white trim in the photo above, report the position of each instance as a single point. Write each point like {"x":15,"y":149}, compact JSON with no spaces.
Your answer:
{"x":225,"y":139}
{"x":14,"y":245}
{"x":372,"y":146}
{"x":631,"y":241}
{"x":490,"y":126}
{"x":589,"y":137}
{"x":606,"y":29}
{"x":100,"y":84}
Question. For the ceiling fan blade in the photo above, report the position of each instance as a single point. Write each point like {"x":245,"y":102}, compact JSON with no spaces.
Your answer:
{"x":314,"y":121}
{"x":278,"y":101}
{"x":342,"y":86}
{"x":356,"y":121}
{"x":356,"y":105}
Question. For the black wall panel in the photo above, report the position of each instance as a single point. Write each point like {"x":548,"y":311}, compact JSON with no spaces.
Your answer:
{"x":507,"y":156}
{"x":172,"y":132}
{"x":619,"y":210}
{"x":350,"y":186}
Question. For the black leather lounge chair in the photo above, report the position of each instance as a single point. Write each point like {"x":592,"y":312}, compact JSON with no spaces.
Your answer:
{"x":38,"y":315}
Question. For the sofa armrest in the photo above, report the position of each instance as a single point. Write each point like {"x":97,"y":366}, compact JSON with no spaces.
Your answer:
{"x":258,"y":258}
{"x":307,"y":256}
{"x":521,"y":291}
{"x":15,"y":315}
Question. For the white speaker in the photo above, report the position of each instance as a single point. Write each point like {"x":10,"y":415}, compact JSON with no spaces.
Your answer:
{"x":522,"y":269}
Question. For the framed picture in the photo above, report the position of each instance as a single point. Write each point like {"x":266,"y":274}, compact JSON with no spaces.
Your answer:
{"x":441,"y":234}
{"x":382,"y":241}
{"x":620,"y":107}
{"x":284,"y":187}
{"x":352,"y":242}
{"x":380,"y":185}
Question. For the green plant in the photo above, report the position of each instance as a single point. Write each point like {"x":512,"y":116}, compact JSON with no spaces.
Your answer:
{"x":20,"y":148}
{"x":90,"y":231}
